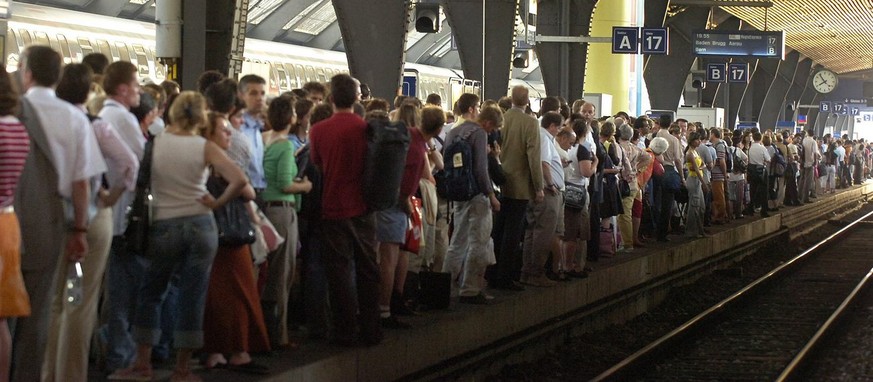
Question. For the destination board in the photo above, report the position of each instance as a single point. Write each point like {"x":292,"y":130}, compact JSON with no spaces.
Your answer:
{"x":739,"y":43}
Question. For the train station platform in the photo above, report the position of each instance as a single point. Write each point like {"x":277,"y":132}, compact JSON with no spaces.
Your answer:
{"x":469,"y":337}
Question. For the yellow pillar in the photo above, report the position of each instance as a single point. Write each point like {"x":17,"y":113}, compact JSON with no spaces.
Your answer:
{"x":607,"y":72}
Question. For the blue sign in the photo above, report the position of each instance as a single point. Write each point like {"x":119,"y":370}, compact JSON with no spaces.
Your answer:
{"x":625,"y":40}
{"x":655,"y":41}
{"x":746,"y":125}
{"x":766,"y":44}
{"x":837,"y":135}
{"x":855,"y":110}
{"x":738,"y":72}
{"x":839,"y":108}
{"x":825,"y":107}
{"x":786,"y":125}
{"x":716,"y":72}
{"x":410,"y":86}
{"x":868,"y":117}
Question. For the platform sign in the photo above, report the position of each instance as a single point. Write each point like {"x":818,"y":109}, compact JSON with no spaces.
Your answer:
{"x":655,"y":41}
{"x":825,"y":107}
{"x":760,"y":44}
{"x":839,"y":108}
{"x":410,"y":86}
{"x":716,"y":72}
{"x":854,"y":110}
{"x":625,"y":40}
{"x":738,"y":73}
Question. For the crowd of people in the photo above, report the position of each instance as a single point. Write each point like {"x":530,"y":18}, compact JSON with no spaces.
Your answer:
{"x":552,"y":191}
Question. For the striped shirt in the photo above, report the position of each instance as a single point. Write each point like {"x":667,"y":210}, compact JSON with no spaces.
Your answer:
{"x":14,"y":145}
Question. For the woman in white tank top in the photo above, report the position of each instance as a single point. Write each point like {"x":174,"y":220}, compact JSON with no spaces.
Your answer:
{"x":183,"y":237}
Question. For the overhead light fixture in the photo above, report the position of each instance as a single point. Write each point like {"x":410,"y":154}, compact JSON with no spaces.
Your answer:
{"x":722,"y":3}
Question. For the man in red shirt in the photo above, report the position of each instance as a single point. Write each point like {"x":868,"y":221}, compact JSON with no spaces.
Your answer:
{"x":338,"y":147}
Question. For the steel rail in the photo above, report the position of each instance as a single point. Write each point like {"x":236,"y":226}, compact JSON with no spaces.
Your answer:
{"x":633,"y":361}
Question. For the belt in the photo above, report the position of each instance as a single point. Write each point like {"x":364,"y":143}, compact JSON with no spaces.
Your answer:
{"x":7,"y":210}
{"x":278,"y":203}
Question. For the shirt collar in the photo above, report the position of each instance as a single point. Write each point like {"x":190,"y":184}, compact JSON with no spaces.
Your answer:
{"x":40,"y":91}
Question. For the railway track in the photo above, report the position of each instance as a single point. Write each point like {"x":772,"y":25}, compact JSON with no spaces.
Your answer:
{"x":770,"y":328}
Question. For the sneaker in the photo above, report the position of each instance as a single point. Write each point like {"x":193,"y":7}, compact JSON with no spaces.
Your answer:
{"x":478,"y":299}
{"x":393,"y":323}
{"x":539,"y":281}
{"x":131,"y":374}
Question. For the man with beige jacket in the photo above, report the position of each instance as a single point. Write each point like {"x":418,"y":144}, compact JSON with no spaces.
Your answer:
{"x":520,"y":155}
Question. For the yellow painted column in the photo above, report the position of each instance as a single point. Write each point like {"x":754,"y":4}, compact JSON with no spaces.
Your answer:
{"x":607,"y":72}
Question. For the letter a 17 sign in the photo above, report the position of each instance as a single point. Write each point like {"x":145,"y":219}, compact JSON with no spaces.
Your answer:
{"x":625,"y":40}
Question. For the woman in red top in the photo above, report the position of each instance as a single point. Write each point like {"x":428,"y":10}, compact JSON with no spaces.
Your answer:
{"x":14,"y":146}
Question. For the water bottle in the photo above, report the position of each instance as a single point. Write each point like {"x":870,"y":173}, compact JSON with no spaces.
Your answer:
{"x":73,"y":285}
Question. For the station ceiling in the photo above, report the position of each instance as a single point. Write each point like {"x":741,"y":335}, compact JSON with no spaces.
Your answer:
{"x":838,"y":34}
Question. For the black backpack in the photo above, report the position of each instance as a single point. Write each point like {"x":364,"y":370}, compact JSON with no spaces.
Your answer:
{"x":739,"y":165}
{"x":456,"y":180}
{"x":387,"y":145}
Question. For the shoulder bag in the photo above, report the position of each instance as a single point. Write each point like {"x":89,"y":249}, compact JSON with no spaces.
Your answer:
{"x":139,"y":217}
{"x":234,"y":225}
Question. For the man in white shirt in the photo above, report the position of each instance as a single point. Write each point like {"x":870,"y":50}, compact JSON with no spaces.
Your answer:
{"x":759,"y":159}
{"x":61,"y":133}
{"x":545,"y":218}
{"x":252,"y":90}
{"x":810,"y":157}
{"x":124,"y":271}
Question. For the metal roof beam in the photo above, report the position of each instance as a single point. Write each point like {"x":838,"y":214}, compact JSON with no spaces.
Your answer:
{"x":271,"y":26}
{"x":328,"y":38}
{"x":110,"y":8}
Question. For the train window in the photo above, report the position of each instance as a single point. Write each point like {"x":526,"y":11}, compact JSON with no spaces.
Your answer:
{"x":104,"y":47}
{"x":85,"y":45}
{"x":319,"y":75}
{"x":40,"y":38}
{"x":142,"y":60}
{"x":123,"y":52}
{"x":66,"y":52}
{"x":284,"y":84}
{"x":25,"y":37}
{"x":292,"y":76}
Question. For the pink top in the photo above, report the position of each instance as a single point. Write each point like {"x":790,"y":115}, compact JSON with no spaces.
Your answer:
{"x":14,"y":146}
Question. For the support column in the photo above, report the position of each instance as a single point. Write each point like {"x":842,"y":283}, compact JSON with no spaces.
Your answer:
{"x":665,"y":75}
{"x":798,"y":84}
{"x":465,"y":18}
{"x":772,"y":107}
{"x":610,"y":73}
{"x":374,"y":34}
{"x":563,"y":65}
{"x":753,"y":99}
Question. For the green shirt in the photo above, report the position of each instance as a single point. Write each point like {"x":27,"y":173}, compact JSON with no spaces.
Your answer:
{"x":280,"y":169}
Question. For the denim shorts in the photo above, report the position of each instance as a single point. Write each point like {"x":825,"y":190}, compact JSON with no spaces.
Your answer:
{"x":391,"y":225}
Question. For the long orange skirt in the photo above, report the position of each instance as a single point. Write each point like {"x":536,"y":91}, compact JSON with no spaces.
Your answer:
{"x":233,"y":321}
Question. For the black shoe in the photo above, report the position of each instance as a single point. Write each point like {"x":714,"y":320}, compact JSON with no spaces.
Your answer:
{"x":577,"y":274}
{"x":478,"y":299}
{"x":393,"y":323}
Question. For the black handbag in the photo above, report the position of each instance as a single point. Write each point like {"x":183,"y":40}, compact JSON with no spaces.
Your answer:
{"x":575,"y":197}
{"x":136,"y":235}
{"x":624,"y":188}
{"x":234,"y":225}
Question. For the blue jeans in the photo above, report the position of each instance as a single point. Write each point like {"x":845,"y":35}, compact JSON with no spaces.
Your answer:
{"x":123,"y":277}
{"x":185,"y":248}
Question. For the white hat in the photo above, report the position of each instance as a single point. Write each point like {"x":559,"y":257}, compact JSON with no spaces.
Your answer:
{"x":659,"y":145}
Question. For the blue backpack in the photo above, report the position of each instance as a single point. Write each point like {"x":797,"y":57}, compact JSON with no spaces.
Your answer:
{"x":778,"y":163}
{"x":456,"y":181}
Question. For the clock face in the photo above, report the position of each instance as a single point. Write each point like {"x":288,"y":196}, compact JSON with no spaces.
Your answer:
{"x":824,"y":81}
